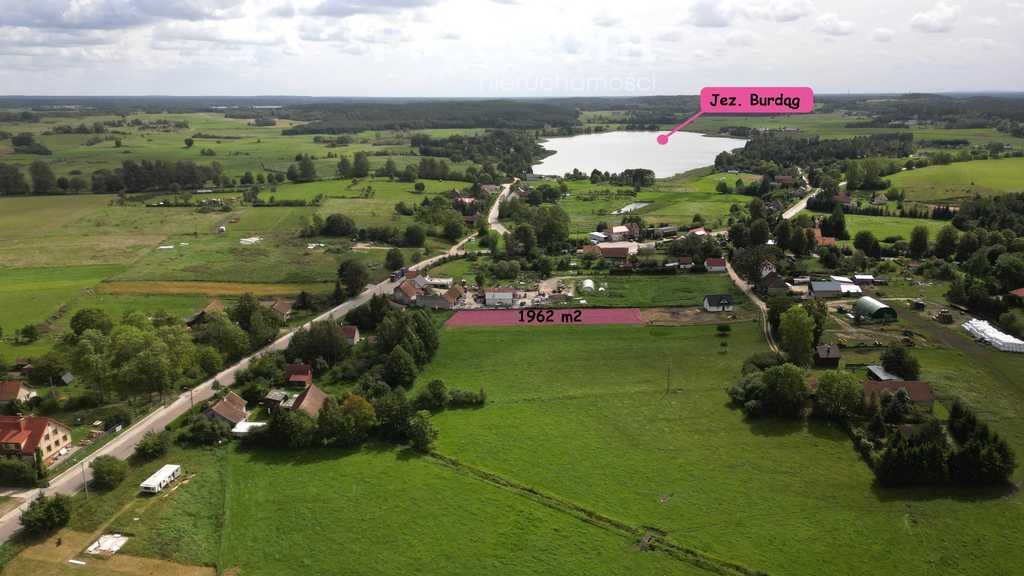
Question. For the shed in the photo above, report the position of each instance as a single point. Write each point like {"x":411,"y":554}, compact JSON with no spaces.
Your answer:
{"x":827,"y":356}
{"x":876,"y":372}
{"x":161,"y":478}
{"x":869,"y":309}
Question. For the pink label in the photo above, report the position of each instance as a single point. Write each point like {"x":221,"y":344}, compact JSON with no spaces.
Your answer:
{"x":757,"y":100}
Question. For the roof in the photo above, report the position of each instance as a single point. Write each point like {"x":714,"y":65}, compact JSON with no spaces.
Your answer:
{"x":407,"y":288}
{"x":684,"y":260}
{"x":499,"y":291}
{"x":350,"y":331}
{"x":614,"y":251}
{"x":166,"y":471}
{"x":11,"y":390}
{"x":454,"y":293}
{"x":880,"y":373}
{"x":620,"y":229}
{"x":310,"y":401}
{"x":868,"y":306}
{"x":828,"y":351}
{"x":919,"y":391}
{"x":276,"y":395}
{"x":299,"y":373}
{"x":822,"y":240}
{"x":230,"y":408}
{"x":1019,"y":292}
{"x":282,"y":307}
{"x":784,"y":179}
{"x":26,"y":431}
{"x":718,"y":300}
{"x":714,"y":262}
{"x":826,"y":286}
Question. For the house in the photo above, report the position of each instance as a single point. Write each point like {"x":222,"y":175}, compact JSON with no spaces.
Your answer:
{"x":634,"y":230}
{"x":718,"y":303}
{"x":685,"y":262}
{"x":920,"y":392}
{"x":591,"y":249}
{"x":299,"y":374}
{"x":15,"y":390}
{"x":351,"y":334}
{"x":715,"y":265}
{"x":274,"y":398}
{"x":500,"y":297}
{"x":697,"y":231}
{"x":827,"y":356}
{"x":768,"y":267}
{"x":597,"y":237}
{"x":620,"y":233}
{"x":773,"y":285}
{"x":1018,"y":293}
{"x":868,"y":309}
{"x":214,"y":306}
{"x":20,"y":363}
{"x":880,"y":200}
{"x":405,"y":293}
{"x":455,"y":296}
{"x":230,"y":409}
{"x":282,"y":309}
{"x":876,"y":372}
{"x":21,"y":436}
{"x":615,"y":255}
{"x":310,"y":401}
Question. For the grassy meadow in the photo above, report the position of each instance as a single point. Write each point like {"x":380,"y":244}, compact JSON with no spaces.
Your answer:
{"x":673,"y":200}
{"x":961,"y":181}
{"x":684,"y":289}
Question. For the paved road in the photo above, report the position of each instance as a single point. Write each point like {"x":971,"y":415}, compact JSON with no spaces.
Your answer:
{"x":123,"y":446}
{"x":492,"y":216}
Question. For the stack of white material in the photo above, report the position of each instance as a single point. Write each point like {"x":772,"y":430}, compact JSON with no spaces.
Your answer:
{"x":987,"y":332}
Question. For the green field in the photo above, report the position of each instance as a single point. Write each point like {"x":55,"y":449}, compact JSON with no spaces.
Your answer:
{"x":672,"y":201}
{"x":677,"y":290}
{"x":961,"y":181}
{"x":885,"y":226}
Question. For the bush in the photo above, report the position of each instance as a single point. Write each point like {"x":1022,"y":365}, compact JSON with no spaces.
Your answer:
{"x":17,"y":473}
{"x":422,"y":432}
{"x":466,"y":398}
{"x":761,"y":361}
{"x":433,"y":397}
{"x":899,"y":361}
{"x":108,"y":472}
{"x":46,"y":514}
{"x":153,"y":445}
{"x":205,"y":432}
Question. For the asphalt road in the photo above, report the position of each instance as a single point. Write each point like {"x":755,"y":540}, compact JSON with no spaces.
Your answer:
{"x":123,"y":446}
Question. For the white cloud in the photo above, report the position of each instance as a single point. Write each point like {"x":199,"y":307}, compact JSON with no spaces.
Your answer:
{"x":883,"y":34}
{"x":832,"y":25}
{"x":606,"y":21}
{"x":939,"y":19}
{"x":348,"y":8}
{"x":711,"y":14}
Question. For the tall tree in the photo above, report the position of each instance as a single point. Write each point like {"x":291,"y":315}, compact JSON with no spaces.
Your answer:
{"x":43,"y":180}
{"x":919,"y":241}
{"x":354,"y":276}
{"x":796,"y":331}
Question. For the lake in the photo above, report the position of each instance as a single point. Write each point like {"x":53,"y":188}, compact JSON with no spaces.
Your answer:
{"x":617,"y":151}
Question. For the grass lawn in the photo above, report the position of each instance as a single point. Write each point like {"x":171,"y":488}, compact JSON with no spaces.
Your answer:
{"x":961,"y":181}
{"x":885,"y":226}
{"x":598,"y":428}
{"x":672,"y":201}
{"x":675,"y":290}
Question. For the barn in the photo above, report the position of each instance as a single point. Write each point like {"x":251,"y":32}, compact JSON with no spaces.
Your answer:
{"x":870,"y":310}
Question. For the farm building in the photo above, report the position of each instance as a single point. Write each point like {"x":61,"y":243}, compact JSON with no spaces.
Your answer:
{"x":714,"y":264}
{"x":833,"y":289}
{"x":616,"y":255}
{"x":22,"y":436}
{"x":868,"y":309}
{"x":863,"y":279}
{"x":274,"y":398}
{"x":597,"y":237}
{"x":620,"y":233}
{"x":920,"y":392}
{"x":827,"y":356}
{"x":161,"y":479}
{"x":718,"y":303}
{"x":500,"y":296}
{"x":12,"y":390}
{"x":230,"y":409}
{"x":405,"y":293}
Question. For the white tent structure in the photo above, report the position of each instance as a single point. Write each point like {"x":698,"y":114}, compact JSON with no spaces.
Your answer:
{"x":1001,"y":341}
{"x":588,"y":285}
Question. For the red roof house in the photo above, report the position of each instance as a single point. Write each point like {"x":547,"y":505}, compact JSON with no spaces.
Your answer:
{"x":299,"y":373}
{"x":20,"y":436}
{"x":230,"y":409}
{"x":310,"y":401}
{"x":351,"y":334}
{"x":11,"y":390}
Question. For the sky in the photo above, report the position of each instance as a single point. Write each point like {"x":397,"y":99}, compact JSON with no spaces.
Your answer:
{"x":505,"y":48}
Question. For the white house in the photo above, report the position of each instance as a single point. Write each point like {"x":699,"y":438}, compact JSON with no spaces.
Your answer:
{"x":500,"y":297}
{"x":718,"y":303}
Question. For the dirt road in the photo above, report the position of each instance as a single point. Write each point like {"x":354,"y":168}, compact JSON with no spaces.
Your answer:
{"x":492,"y":216}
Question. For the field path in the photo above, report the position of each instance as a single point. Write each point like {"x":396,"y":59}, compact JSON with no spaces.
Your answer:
{"x":73,"y":479}
{"x":492,"y":215}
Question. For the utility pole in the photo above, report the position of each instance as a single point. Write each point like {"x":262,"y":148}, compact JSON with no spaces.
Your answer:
{"x":85,"y":482}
